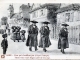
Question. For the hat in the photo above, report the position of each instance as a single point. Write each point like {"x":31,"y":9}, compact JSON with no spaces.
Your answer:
{"x":64,"y":24}
{"x":13,"y":27}
{"x":34,"y":21}
{"x":46,"y":22}
{"x":23,"y":31}
{"x":4,"y":35}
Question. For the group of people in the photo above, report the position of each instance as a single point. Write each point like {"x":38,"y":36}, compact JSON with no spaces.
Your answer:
{"x":17,"y":33}
{"x":32,"y":40}
{"x":44,"y":37}
{"x":32,"y":36}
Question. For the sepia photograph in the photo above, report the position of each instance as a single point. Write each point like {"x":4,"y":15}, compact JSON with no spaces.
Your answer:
{"x":40,"y":29}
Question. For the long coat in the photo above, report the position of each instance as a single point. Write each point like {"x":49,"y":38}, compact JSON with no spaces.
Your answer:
{"x":32,"y":36}
{"x":44,"y":37}
{"x":63,"y":39}
{"x":4,"y":44}
{"x":18,"y":37}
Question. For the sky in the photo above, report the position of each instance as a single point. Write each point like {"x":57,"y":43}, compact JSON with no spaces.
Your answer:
{"x":4,"y":8}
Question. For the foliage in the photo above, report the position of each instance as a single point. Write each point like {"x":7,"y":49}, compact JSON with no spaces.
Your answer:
{"x":52,"y":15}
{"x":26,"y":19}
{"x":4,"y":20}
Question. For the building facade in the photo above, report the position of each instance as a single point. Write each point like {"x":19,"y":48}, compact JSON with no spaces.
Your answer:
{"x":40,"y":13}
{"x":70,"y":13}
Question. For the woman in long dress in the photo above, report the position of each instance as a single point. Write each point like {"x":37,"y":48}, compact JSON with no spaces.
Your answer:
{"x":45,"y":40}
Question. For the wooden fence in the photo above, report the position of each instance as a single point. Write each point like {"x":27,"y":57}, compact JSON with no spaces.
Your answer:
{"x":74,"y":34}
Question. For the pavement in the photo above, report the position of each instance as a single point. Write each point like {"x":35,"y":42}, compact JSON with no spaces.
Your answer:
{"x":21,"y":48}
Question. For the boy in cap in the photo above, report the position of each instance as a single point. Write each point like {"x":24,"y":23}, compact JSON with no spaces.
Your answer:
{"x":32,"y":36}
{"x":4,"y":43}
{"x":63,"y":38}
{"x":44,"y":41}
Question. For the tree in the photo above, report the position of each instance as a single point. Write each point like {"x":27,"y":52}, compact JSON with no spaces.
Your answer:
{"x":4,"y":20}
{"x":52,"y":8}
{"x":52,"y":15}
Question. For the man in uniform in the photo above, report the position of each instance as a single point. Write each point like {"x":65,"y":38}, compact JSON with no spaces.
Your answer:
{"x":44,"y":41}
{"x":4,"y":43}
{"x":32,"y":36}
{"x":63,"y":38}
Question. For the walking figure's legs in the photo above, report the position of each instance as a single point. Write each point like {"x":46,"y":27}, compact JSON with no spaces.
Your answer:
{"x":35,"y":45}
{"x":4,"y":50}
{"x":30,"y":47}
{"x":44,"y":48}
{"x":62,"y":48}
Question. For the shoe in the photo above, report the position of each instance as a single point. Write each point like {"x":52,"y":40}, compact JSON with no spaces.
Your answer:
{"x":61,"y":50}
{"x":36,"y":49}
{"x":30,"y":49}
{"x":44,"y":50}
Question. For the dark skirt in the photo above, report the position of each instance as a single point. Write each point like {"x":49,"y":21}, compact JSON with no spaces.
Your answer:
{"x":13,"y":36}
{"x":63,"y":42}
{"x":32,"y":40}
{"x":18,"y":37}
{"x":46,"y":41}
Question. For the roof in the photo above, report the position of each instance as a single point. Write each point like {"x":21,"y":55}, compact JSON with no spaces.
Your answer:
{"x":69,"y":7}
{"x":48,"y":5}
{"x":16,"y":15}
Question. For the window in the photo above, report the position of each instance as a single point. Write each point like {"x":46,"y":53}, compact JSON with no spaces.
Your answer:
{"x":34,"y":14}
{"x":42,"y":12}
{"x":67,"y":17}
{"x":72,"y":15}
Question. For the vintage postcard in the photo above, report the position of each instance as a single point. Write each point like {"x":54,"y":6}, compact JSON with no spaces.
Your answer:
{"x":39,"y":30}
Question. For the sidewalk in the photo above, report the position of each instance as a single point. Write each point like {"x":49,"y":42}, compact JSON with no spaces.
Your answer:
{"x":21,"y":48}
{"x":73,"y":48}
